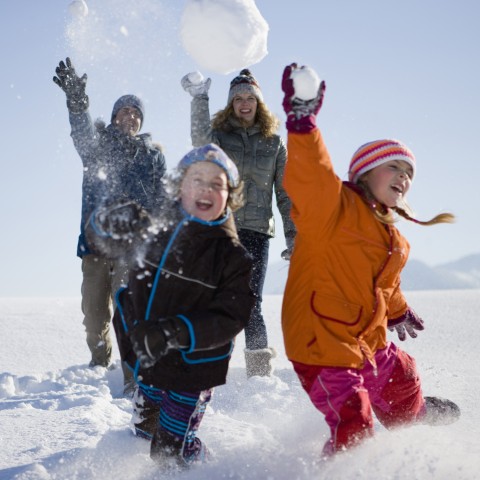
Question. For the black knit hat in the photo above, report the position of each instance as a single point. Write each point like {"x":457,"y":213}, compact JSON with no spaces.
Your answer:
{"x":128,"y":101}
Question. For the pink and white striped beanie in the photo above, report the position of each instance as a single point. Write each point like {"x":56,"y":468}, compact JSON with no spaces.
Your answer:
{"x":376,"y":153}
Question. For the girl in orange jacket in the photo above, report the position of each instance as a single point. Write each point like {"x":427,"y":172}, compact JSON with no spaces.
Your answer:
{"x":343,"y":288}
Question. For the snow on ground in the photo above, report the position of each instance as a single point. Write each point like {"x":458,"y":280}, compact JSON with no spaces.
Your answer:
{"x":61,"y":420}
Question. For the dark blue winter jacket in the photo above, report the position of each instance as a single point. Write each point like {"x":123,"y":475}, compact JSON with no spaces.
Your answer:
{"x":116,"y":167}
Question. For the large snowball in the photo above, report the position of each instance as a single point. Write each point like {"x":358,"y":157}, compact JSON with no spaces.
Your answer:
{"x":305,"y":83}
{"x":224,"y":35}
{"x":195,"y":77}
{"x":78,"y":8}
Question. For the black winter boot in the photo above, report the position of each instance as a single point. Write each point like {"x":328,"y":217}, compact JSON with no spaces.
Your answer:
{"x":170,"y":452}
{"x":439,"y":411}
{"x":166,"y":451}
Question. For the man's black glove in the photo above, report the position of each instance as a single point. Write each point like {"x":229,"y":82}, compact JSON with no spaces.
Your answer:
{"x":73,"y":86}
{"x":152,"y":339}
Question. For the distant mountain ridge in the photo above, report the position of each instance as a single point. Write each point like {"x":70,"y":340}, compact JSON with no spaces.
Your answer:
{"x":457,"y":275}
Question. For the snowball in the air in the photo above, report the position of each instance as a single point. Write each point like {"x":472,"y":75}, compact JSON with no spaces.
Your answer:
{"x":305,"y":83}
{"x":224,"y":35}
{"x":78,"y":8}
{"x":195,"y":78}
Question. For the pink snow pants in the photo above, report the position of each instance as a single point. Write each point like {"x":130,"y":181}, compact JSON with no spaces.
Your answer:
{"x":346,"y":396}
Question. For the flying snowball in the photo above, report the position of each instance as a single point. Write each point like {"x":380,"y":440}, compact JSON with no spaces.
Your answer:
{"x":224,"y":35}
{"x":78,"y":8}
{"x":305,"y":83}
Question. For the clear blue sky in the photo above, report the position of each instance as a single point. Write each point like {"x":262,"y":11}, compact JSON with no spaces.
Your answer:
{"x":407,"y":70}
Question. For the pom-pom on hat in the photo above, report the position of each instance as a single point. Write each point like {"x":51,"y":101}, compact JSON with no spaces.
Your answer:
{"x":245,"y":82}
{"x":376,"y":153}
{"x":128,"y":101}
{"x":212,"y":153}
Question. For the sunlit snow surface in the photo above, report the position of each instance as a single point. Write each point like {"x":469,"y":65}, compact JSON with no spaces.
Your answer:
{"x":61,"y":420}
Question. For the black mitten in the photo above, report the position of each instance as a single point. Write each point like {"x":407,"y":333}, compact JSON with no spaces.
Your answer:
{"x":152,"y":339}
{"x":117,"y":229}
{"x":120,"y":221}
{"x":73,"y":86}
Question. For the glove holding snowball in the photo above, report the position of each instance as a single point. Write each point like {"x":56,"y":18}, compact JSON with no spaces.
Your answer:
{"x":116,"y":230}
{"x":73,"y":86}
{"x":303,"y":97}
{"x":407,"y":323}
{"x":151,"y":339}
{"x":120,"y":221}
{"x":195,"y":84}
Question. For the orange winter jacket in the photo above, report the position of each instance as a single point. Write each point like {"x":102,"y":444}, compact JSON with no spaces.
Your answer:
{"x":344,"y":277}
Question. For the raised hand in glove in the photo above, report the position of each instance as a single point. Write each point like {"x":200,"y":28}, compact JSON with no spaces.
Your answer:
{"x":195,"y":84}
{"x":300,"y":112}
{"x":73,"y":86}
{"x":407,"y":323}
{"x":152,"y":339}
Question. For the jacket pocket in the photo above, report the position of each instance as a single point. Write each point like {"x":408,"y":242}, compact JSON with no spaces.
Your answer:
{"x":254,"y":208}
{"x":335,"y":309}
{"x":265,"y":162}
{"x":234,"y":150}
{"x":208,"y":356}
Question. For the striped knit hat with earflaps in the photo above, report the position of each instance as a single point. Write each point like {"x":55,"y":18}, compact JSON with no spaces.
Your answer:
{"x":378,"y":152}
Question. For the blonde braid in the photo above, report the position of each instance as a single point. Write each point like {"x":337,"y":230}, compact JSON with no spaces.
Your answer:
{"x":387,"y":215}
{"x":440,"y":218}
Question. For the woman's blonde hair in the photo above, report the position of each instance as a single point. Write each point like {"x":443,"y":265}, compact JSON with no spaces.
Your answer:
{"x":390,"y":215}
{"x":266,"y":120}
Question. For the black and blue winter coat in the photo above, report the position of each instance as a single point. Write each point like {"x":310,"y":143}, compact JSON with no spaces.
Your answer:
{"x":116,"y":167}
{"x":199,"y":272}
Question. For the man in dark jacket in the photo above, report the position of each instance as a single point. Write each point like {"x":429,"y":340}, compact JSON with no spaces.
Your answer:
{"x":118,"y":165}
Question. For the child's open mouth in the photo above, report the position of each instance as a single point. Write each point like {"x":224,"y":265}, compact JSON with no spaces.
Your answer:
{"x":397,"y":189}
{"x":203,"y":204}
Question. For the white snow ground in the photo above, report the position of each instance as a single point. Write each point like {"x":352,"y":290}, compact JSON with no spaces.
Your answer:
{"x":61,"y":420}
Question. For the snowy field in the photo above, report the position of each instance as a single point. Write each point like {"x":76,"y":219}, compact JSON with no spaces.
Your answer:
{"x":61,"y":420}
